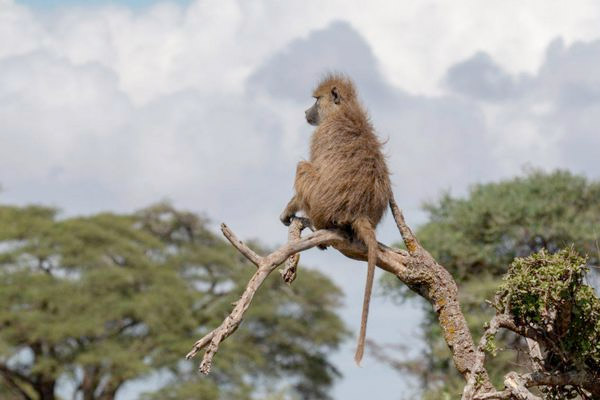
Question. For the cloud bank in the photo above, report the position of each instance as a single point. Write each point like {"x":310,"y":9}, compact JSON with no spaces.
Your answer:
{"x":105,"y":107}
{"x":109,"y":108}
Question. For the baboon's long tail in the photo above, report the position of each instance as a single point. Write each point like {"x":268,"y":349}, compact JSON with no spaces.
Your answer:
{"x":364,"y":230}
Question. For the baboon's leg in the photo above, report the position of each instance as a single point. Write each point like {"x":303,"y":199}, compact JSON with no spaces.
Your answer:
{"x":290,"y":210}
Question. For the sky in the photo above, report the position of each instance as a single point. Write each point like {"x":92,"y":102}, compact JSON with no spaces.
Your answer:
{"x":108,"y":105}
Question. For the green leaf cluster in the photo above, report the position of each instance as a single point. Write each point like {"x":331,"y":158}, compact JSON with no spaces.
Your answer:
{"x":545,"y":292}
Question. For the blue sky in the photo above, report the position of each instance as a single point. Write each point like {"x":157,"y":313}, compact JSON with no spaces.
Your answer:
{"x":201,"y":102}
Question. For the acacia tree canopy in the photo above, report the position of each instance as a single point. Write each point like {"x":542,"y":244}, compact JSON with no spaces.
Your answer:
{"x":105,"y":299}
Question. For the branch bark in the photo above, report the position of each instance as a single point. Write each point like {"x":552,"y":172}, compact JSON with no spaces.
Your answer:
{"x":471,"y":387}
{"x":434,"y":283}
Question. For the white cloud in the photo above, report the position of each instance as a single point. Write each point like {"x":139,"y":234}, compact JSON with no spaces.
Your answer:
{"x":549,"y":118}
{"x":417,"y":40}
{"x":215,"y":45}
{"x":50,"y":108}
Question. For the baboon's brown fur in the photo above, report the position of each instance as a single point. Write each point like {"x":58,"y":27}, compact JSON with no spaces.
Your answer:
{"x":346,"y":182}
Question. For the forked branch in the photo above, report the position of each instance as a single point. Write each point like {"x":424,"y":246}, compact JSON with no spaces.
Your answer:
{"x":266,"y":265}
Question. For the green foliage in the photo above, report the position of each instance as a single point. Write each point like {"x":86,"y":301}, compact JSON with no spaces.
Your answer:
{"x":490,"y":346}
{"x":108,"y":298}
{"x":478,"y":236}
{"x":545,"y":292}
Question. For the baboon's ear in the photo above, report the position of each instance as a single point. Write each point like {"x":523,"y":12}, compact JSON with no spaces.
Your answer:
{"x":335,"y":95}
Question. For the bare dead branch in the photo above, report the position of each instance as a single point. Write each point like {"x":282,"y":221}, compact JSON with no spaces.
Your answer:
{"x":213,"y":339}
{"x":507,"y":322}
{"x":265,"y":265}
{"x":517,"y":384}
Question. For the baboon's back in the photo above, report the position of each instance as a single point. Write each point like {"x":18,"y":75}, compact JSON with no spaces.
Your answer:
{"x":353,"y":176}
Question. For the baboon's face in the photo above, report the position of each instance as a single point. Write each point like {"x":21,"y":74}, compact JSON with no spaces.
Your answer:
{"x":312,"y":114}
{"x":327,"y":102}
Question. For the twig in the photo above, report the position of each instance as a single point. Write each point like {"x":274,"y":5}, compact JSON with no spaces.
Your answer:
{"x":241,"y":246}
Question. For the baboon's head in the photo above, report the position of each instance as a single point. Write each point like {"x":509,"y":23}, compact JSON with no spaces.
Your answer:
{"x":332,"y":93}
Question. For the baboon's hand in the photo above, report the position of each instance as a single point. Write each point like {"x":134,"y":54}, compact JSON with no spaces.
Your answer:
{"x":286,"y":218}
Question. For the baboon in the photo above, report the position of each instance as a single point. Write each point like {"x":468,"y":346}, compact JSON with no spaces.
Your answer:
{"x":346,"y":183}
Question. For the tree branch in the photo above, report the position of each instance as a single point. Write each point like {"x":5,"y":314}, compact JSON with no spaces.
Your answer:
{"x":416,"y":268}
{"x":517,"y":384}
{"x":588,"y":381}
